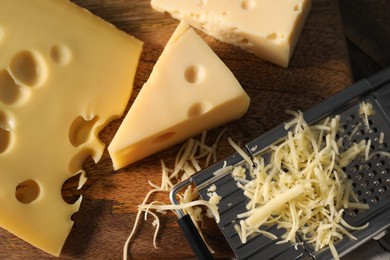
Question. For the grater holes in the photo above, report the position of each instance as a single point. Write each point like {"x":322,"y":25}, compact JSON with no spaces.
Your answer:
{"x":350,"y":118}
{"x":354,"y":212}
{"x":361,"y":132}
{"x":354,"y":168}
{"x":374,"y":200}
{"x":377,"y":182}
{"x":364,"y":184}
{"x":367,"y":166}
{"x":359,"y":176}
{"x":372,"y":174}
{"x":369,"y":192}
{"x":380,"y":164}
{"x":370,"y":178}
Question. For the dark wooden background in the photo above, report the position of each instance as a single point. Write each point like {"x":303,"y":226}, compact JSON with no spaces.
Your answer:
{"x":367,"y":30}
{"x":343,"y":41}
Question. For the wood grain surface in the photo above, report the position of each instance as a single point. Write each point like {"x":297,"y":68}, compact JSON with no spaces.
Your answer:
{"x":367,"y":28}
{"x":360,"y":19}
{"x":319,"y":68}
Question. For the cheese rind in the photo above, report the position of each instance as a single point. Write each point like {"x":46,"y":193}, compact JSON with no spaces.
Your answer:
{"x":64,"y":74}
{"x":268,"y":28}
{"x":189,"y":90}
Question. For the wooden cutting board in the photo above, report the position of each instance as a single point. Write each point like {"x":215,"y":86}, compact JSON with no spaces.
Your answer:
{"x":319,"y":68}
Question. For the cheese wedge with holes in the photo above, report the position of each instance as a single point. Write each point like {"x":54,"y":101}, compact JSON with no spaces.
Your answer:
{"x":64,"y":74}
{"x":268,"y":28}
{"x":189,"y":90}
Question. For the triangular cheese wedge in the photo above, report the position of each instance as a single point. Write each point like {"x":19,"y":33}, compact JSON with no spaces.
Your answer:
{"x":268,"y":28}
{"x":64,"y":74}
{"x":189,"y":90}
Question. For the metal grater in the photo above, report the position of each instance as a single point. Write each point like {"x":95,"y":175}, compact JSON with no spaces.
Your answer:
{"x":371,"y":179}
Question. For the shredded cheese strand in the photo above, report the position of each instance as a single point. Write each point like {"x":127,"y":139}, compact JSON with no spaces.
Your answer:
{"x":259,"y":214}
{"x":366,"y":110}
{"x":186,"y":164}
{"x":191,"y":204}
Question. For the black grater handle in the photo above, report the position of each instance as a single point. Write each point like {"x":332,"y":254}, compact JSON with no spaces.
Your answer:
{"x":194,"y":239}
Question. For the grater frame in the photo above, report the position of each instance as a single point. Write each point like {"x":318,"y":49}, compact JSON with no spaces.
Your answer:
{"x":371,"y":179}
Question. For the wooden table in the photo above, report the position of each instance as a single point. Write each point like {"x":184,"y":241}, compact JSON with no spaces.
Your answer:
{"x":319,"y":68}
{"x":367,"y":29}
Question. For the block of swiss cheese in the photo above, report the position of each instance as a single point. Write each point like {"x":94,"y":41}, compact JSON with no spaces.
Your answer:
{"x":190,"y":90}
{"x":270,"y":29}
{"x":64,"y":75}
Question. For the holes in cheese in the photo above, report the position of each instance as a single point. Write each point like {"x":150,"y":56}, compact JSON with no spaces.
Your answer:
{"x":194,"y":74}
{"x":248,"y":4}
{"x":164,"y":137}
{"x":6,"y":122}
{"x":197,"y":109}
{"x":244,"y":41}
{"x":60,"y":54}
{"x":5,"y":140}
{"x":80,"y":130}
{"x":77,"y":160}
{"x":182,"y":104}
{"x":70,"y":190}
{"x":275,"y":37}
{"x":297,"y":8}
{"x":10,"y":92}
{"x":28,"y":68}
{"x":6,"y":125}
{"x":27,"y":191}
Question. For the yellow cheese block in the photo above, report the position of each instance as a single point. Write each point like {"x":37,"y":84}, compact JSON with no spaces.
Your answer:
{"x":189,"y":90}
{"x":268,"y":28}
{"x":64,"y":74}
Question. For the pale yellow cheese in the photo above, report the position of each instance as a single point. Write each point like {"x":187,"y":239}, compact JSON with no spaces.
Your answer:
{"x":189,"y":90}
{"x":268,"y":28}
{"x":64,"y":74}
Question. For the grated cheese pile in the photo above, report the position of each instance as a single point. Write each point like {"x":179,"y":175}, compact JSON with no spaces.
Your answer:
{"x":302,"y":186}
{"x":186,"y":164}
